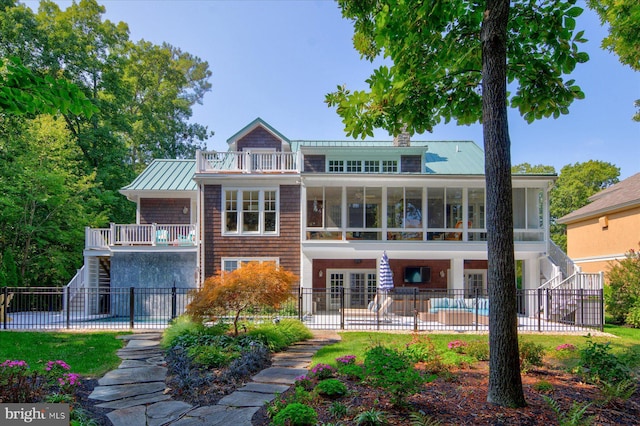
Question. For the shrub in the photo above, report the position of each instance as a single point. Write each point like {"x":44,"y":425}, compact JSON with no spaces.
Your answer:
{"x":370,"y":417}
{"x":180,"y":326}
{"x":346,"y":359}
{"x":279,"y":336}
{"x":212,"y":356}
{"x":296,"y":414}
{"x":304,"y":382}
{"x":598,"y":364}
{"x":623,"y":290}
{"x":351,"y":371}
{"x":252,"y":286}
{"x":20,"y":384}
{"x":566,"y":347}
{"x":530,"y":354}
{"x":633,"y":316}
{"x":322,"y":371}
{"x":338,"y":410}
{"x":622,"y":390}
{"x":478,"y":349}
{"x":391,"y":371}
{"x":332,"y":388}
{"x":457,"y":346}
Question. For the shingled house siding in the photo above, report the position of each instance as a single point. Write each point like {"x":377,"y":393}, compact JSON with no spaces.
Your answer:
{"x":259,"y":138}
{"x":165,"y":211}
{"x":410,"y":164}
{"x":286,"y":246}
{"x":314,"y":163}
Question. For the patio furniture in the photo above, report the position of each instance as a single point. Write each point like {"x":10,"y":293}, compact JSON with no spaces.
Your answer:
{"x":371,"y":310}
{"x":3,"y":304}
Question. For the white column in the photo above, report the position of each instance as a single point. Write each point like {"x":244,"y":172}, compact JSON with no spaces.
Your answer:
{"x":456,"y":275}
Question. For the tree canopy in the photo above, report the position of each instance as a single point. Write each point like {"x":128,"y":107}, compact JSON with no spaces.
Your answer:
{"x":452,"y":61}
{"x":120,"y":103}
{"x":575,"y":184}
{"x":253,"y":285}
{"x":623,"y":18}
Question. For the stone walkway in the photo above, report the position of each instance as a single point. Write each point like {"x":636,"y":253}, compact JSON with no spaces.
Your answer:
{"x":137,"y":393}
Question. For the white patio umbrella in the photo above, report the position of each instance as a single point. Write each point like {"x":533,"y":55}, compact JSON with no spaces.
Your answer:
{"x":385,"y":282}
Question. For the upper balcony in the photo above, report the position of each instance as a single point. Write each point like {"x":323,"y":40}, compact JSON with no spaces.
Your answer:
{"x":151,"y":235}
{"x":248,"y":162}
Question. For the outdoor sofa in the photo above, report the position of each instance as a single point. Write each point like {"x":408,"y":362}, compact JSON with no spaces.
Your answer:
{"x":456,"y":311}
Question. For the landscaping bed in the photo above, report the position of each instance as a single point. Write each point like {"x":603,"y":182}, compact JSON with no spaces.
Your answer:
{"x":462,"y":400}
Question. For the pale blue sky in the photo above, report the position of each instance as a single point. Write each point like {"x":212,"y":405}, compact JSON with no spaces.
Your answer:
{"x":277,"y":59}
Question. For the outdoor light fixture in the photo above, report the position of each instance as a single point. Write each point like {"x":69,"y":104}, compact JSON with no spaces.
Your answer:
{"x":320,"y":273}
{"x":185,"y":210}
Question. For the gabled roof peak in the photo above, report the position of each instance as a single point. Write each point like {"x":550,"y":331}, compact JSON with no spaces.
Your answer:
{"x":258,"y":122}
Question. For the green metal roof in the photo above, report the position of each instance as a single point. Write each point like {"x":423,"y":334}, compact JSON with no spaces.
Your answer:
{"x":441,"y":157}
{"x":165,"y":175}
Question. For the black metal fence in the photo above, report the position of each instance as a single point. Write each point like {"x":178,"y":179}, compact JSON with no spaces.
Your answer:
{"x":406,"y":309}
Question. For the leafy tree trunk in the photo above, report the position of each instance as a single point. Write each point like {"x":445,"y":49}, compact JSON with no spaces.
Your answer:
{"x":505,"y":383}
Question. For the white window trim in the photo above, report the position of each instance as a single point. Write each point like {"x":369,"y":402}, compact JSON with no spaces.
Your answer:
{"x":247,"y":260}
{"x":239,"y":210}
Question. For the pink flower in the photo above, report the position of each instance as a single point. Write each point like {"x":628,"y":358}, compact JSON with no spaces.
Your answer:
{"x":565,"y":347}
{"x":347,"y":359}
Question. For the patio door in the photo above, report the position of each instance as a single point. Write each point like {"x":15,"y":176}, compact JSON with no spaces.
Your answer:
{"x":360,"y":287}
{"x":475,"y":282}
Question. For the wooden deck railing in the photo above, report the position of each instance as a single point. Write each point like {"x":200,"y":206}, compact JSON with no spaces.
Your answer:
{"x":248,"y":162}
{"x":141,"y":235}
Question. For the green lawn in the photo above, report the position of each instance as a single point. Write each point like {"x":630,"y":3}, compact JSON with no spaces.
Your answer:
{"x":626,"y":341}
{"x":88,"y":354}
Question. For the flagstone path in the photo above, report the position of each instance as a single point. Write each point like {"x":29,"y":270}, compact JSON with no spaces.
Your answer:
{"x":137,"y":393}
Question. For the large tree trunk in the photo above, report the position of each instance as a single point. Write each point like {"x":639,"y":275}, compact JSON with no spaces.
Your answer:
{"x":505,"y":383}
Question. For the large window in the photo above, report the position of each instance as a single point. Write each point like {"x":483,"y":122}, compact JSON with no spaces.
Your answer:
{"x":413,"y":213}
{"x":250,"y":211}
{"x":230,"y":264}
{"x":362,"y":166}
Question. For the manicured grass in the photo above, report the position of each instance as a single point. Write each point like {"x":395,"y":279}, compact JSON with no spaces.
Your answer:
{"x":627,"y":341}
{"x":88,"y":354}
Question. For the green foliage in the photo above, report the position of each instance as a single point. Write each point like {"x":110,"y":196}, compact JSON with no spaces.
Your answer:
{"x":575,"y":184}
{"x":296,"y":414}
{"x":8,"y":270}
{"x":278,"y":336}
{"x":212,"y":356}
{"x":351,"y":371}
{"x":478,"y":349}
{"x":421,"y":419}
{"x":622,"y":292}
{"x":338,"y":410}
{"x":371,"y":417}
{"x":526,"y":168}
{"x":180,"y":326}
{"x":530,"y":355}
{"x":392,"y":371}
{"x":332,"y":388}
{"x":574,"y":417}
{"x":421,"y":349}
{"x":622,"y":390}
{"x":599,"y":364}
{"x":543,"y":386}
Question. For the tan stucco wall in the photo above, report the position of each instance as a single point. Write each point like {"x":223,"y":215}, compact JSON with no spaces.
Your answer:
{"x":592,"y":247}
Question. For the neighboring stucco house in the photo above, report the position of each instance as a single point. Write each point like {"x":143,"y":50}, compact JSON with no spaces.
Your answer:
{"x":325,"y":210}
{"x":606,"y":228}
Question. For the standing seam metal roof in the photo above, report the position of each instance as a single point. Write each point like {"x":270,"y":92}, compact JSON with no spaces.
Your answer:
{"x":165,"y":175}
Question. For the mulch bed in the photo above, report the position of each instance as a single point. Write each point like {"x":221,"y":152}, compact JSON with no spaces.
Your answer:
{"x":462,"y":400}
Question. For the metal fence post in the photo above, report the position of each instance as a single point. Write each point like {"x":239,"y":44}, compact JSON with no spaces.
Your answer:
{"x":341,"y":308}
{"x":67,"y":297}
{"x":415,"y":309}
{"x":5,"y":306}
{"x":300,"y":303}
{"x":132,"y":305}
{"x":174,"y":307}
{"x":601,"y":316}
{"x":539,"y":310}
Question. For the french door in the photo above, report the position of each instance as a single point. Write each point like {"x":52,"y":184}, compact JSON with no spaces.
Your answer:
{"x":360,"y":287}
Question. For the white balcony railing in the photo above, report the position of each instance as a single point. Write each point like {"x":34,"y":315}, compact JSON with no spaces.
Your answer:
{"x":141,"y":235}
{"x":248,"y":162}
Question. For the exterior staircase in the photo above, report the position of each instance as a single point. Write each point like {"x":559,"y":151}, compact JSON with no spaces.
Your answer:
{"x":570,"y":295}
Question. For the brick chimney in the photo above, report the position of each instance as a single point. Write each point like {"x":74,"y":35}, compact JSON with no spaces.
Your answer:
{"x":403,"y":139}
